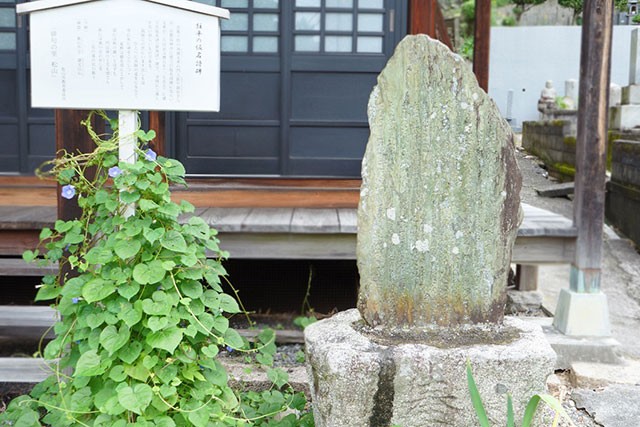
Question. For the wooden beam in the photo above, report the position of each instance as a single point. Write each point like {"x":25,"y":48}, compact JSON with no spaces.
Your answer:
{"x":481,"y":40}
{"x":591,"y":153}
{"x":157,"y":122}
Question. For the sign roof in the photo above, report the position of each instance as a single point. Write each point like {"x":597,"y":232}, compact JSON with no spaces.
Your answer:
{"x":192,"y":6}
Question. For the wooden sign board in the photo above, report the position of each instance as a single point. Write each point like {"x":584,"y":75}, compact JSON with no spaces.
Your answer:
{"x":125,"y":55}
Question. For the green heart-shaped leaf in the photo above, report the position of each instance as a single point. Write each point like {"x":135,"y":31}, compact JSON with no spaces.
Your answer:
{"x":113,"y":339}
{"x":191,"y":288}
{"x":95,"y":319}
{"x":47,"y":292}
{"x":160,"y":305}
{"x":149,"y":273}
{"x":135,"y":399}
{"x":228,"y":304}
{"x":130,"y":353}
{"x":129,"y":289}
{"x":117,"y":373}
{"x":210,"y":351}
{"x":153,"y":234}
{"x":125,"y":249}
{"x":98,"y":255}
{"x":150,"y":361}
{"x":89,"y":364}
{"x":97,"y":290}
{"x":167,"y":373}
{"x":156,"y":323}
{"x":131,"y":314}
{"x":221,"y":324}
{"x":173,"y":241}
{"x":167,"y":339}
{"x":147,"y":205}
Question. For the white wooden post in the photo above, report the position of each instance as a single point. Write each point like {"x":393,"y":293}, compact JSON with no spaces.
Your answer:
{"x":127,"y":127}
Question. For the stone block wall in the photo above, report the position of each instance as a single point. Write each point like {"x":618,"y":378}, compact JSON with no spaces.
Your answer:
{"x":623,"y":191}
{"x":554,"y":142}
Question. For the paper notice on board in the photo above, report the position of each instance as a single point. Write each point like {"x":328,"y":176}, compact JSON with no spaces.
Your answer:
{"x":153,"y":57}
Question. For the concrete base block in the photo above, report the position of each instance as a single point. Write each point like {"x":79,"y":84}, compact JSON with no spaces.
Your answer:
{"x":582,"y":314}
{"x":631,"y":94}
{"x":570,"y":349}
{"x":625,"y":117}
{"x":359,"y":379}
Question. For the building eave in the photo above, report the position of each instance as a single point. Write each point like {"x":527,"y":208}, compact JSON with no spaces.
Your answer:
{"x":40,"y":5}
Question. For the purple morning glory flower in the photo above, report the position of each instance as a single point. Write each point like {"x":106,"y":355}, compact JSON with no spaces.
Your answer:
{"x":229,"y":349}
{"x":66,"y":248}
{"x":75,"y":300}
{"x":150,"y":155}
{"x":114,"y":171}
{"x":68,"y":191}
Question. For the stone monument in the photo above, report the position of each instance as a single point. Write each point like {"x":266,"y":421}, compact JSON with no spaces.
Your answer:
{"x":627,"y":115}
{"x":438,"y":216}
{"x":570,"y":98}
{"x":615,"y":94}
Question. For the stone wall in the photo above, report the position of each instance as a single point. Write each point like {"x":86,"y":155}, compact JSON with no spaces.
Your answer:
{"x":554,"y":143}
{"x":623,"y":191}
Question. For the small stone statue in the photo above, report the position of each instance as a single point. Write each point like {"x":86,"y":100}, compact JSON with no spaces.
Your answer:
{"x":547,"y":101}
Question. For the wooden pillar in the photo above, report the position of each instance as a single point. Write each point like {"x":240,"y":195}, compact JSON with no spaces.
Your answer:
{"x":425,"y":17}
{"x":73,"y":137}
{"x":157,"y":122}
{"x":583,"y":310}
{"x":591,"y":143}
{"x":421,"y":17}
{"x":527,"y":277}
{"x":481,"y":41}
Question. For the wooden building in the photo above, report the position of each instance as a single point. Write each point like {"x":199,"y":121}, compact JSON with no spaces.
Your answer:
{"x":296,"y":76}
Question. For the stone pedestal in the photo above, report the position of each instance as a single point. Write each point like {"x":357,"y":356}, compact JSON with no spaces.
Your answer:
{"x":625,"y":117}
{"x":582,"y":314}
{"x":630,"y":95}
{"x":359,"y":379}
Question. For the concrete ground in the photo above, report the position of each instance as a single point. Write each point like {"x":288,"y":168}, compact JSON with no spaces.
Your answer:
{"x":606,"y":402}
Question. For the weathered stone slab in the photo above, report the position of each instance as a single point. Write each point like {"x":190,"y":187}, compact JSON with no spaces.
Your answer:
{"x":439,"y":205}
{"x":356,"y":380}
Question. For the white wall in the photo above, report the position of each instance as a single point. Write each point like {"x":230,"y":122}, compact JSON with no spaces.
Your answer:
{"x":523,"y":58}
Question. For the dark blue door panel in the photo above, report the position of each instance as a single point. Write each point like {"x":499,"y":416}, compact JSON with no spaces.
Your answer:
{"x":300,"y":109}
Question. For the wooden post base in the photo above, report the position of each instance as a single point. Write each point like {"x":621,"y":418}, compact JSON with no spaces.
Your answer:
{"x":527,"y":277}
